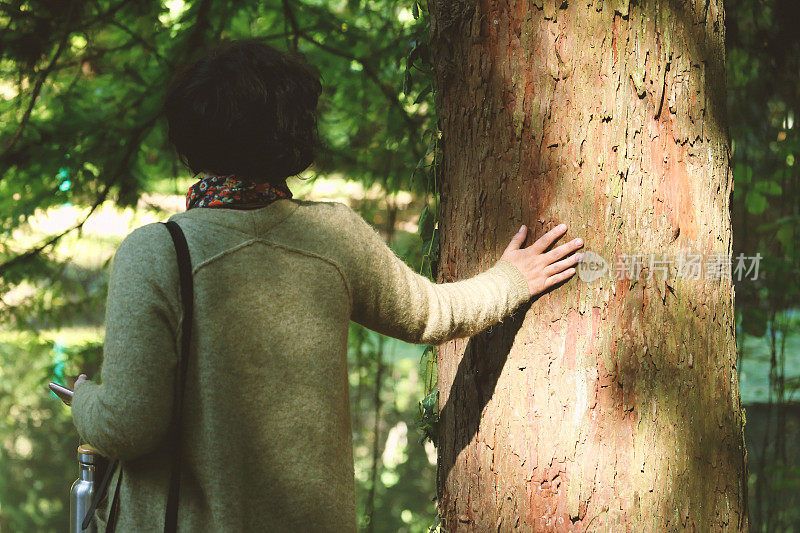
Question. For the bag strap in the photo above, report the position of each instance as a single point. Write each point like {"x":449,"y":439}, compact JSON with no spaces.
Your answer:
{"x":98,"y":495}
{"x":111,"y":525}
{"x":187,"y":300}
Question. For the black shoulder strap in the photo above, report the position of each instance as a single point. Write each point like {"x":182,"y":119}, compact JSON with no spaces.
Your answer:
{"x":99,"y":493}
{"x":187,"y":300}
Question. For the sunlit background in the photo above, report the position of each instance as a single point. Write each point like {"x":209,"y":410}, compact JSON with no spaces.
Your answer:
{"x":84,"y":161}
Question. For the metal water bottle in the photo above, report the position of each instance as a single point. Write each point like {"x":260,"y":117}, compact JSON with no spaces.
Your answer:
{"x":80,"y":497}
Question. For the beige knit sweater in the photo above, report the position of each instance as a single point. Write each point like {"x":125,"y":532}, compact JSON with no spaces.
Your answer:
{"x":267,"y":438}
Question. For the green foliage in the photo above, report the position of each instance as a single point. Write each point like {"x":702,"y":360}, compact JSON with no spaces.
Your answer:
{"x":763,"y":109}
{"x":427,"y":419}
{"x":405,"y":477}
{"x":37,"y":440}
{"x":430,"y":243}
{"x":427,"y":365}
{"x":762,"y":60}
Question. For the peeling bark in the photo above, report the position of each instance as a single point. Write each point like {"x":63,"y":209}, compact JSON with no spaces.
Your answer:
{"x":606,"y":404}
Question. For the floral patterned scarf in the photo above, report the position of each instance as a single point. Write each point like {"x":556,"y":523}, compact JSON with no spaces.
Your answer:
{"x":233,"y":193}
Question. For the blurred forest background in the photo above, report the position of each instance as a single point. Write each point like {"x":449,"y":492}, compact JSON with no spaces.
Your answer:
{"x":84,"y":160}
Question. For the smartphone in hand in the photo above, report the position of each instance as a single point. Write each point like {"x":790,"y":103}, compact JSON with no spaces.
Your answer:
{"x":62,"y":392}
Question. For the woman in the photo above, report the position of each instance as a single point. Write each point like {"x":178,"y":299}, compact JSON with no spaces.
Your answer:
{"x":267,"y":442}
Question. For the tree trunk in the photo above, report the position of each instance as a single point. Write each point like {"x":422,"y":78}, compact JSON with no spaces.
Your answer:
{"x":605,"y":403}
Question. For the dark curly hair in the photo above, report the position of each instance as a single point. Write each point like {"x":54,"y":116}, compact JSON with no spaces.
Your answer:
{"x":246,"y":109}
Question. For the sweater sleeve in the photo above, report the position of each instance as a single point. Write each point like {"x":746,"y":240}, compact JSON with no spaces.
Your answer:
{"x":128,"y":413}
{"x":391,"y":298}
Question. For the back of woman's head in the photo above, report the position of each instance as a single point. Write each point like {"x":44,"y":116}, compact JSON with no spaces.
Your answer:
{"x":245,"y":109}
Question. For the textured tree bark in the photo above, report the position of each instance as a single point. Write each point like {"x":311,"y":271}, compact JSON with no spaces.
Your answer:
{"x":606,"y":403}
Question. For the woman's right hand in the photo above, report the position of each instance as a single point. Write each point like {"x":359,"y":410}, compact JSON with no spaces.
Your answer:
{"x":543,"y":269}
{"x":80,"y":380}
